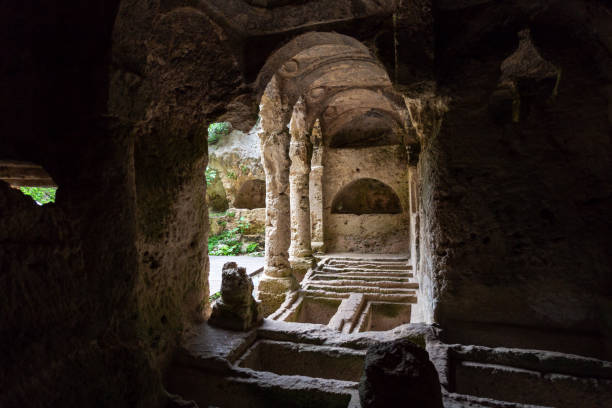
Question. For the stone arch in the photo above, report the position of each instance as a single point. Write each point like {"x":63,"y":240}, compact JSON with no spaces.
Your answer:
{"x":366,"y":196}
{"x":341,"y":83}
{"x":251,"y":194}
{"x":315,"y":75}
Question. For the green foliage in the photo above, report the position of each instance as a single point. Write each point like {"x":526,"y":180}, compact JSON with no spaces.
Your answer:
{"x":218,"y":130}
{"x":42,"y":195}
{"x":245,"y":169}
{"x":214,"y":296}
{"x":228,"y":242}
{"x":231,"y":214}
{"x":243,"y":225}
{"x":211,"y":174}
{"x":231,"y":175}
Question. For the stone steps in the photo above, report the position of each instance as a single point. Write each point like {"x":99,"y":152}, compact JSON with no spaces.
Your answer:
{"x":398,"y":272}
{"x":357,"y":283}
{"x":356,"y":294}
{"x":370,"y":265}
{"x":362,"y":277}
{"x":361,"y":289}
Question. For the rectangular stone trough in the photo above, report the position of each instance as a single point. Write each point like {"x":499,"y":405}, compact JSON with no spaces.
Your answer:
{"x":381,"y":316}
{"x":287,"y":358}
{"x":317,"y":310}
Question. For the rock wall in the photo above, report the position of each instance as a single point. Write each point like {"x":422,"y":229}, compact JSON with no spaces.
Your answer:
{"x":237,"y":160}
{"x":369,"y":233}
{"x":99,"y":286}
{"x":68,"y":269}
{"x":114,"y":102}
{"x":516,"y":209}
{"x":169,"y":87}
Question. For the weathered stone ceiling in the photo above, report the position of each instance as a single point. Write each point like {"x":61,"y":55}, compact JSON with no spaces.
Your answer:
{"x":341,"y":83}
{"x":274,"y":3}
{"x":255,"y":32}
{"x":361,"y":117}
{"x":249,"y":20}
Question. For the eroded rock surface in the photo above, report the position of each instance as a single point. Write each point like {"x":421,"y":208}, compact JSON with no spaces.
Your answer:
{"x":399,"y":374}
{"x":236,"y":309}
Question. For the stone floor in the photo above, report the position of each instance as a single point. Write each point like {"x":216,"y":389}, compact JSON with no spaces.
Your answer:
{"x":317,"y":360}
{"x":354,"y":293}
{"x":252,"y":264}
{"x":288,"y":364}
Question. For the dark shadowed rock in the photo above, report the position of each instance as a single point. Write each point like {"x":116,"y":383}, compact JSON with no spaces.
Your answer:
{"x":236,"y":310}
{"x":399,"y":374}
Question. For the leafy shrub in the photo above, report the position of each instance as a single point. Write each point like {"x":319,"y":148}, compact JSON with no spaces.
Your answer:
{"x":214,"y":296}
{"x":228,"y":242}
{"x":218,"y":130}
{"x":42,"y":195}
{"x":231,"y":175}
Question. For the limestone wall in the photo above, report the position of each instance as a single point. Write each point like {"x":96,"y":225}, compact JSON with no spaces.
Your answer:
{"x":369,"y":233}
{"x":237,"y":160}
{"x":516,"y":210}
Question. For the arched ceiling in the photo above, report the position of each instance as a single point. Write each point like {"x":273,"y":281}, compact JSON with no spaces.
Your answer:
{"x":359,"y":118}
{"x":274,"y":3}
{"x":343,"y":85}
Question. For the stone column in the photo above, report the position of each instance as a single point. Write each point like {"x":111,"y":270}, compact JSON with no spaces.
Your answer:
{"x":300,"y":152}
{"x":316,"y":177}
{"x":277,"y":279}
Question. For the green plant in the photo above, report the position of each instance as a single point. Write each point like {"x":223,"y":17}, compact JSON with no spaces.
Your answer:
{"x":231,"y":214}
{"x":231,"y":175}
{"x":226,"y":243}
{"x":214,"y":296}
{"x":211,"y":174}
{"x":42,"y":195}
{"x":244,"y":169}
{"x":243,"y":225}
{"x":218,"y":130}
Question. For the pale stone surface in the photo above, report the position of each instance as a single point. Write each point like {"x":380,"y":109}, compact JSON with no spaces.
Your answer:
{"x":300,"y":152}
{"x":275,"y":147}
{"x":354,"y":293}
{"x":367,"y":233}
{"x":316,"y":189}
{"x":237,"y":160}
{"x":236,"y":309}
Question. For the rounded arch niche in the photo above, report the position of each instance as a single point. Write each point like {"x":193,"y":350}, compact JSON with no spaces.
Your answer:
{"x":252,"y":194}
{"x":366,"y":196}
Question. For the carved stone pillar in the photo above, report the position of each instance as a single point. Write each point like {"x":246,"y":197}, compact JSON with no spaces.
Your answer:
{"x":300,"y":152}
{"x":277,"y":279}
{"x":316,"y":177}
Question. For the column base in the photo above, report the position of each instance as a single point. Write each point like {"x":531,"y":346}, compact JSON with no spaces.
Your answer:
{"x":318,"y":247}
{"x":272,"y":292}
{"x":300,"y":266}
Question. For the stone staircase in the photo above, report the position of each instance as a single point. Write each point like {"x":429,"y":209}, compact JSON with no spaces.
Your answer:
{"x":354,"y":294}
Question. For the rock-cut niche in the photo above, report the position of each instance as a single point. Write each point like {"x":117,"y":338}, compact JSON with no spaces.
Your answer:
{"x":366,"y":196}
{"x":252,"y":194}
